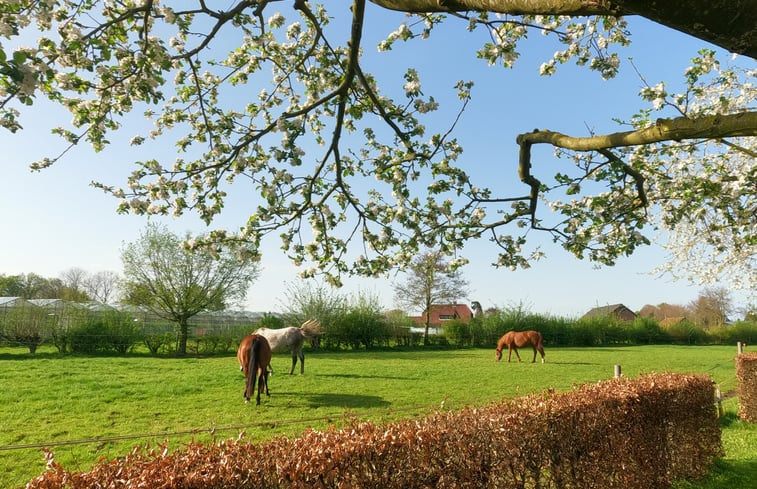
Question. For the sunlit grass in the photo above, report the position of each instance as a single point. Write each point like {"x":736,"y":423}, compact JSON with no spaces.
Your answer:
{"x":51,"y":398}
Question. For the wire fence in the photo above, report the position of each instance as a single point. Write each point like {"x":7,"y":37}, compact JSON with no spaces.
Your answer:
{"x":209,"y":430}
{"x":262,"y":424}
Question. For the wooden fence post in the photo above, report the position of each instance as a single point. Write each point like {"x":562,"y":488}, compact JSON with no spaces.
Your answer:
{"x":739,"y":347}
{"x":719,"y":400}
{"x":617,"y":371}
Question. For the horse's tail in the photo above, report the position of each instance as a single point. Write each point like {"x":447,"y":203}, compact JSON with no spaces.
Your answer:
{"x":540,"y":345}
{"x":311,"y":327}
{"x":539,"y":340}
{"x":252,"y":366}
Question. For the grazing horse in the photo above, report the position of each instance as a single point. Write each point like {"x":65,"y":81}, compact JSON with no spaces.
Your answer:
{"x":292,"y":339}
{"x":254,"y":356}
{"x":518,"y":339}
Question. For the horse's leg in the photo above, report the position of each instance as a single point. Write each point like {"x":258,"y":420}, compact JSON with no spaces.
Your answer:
{"x":516,"y":353}
{"x":539,"y":346}
{"x":302,"y":361}
{"x":262,"y":384}
{"x":261,"y":380}
{"x":294,"y":361}
{"x":534,"y":360}
{"x":252,"y":370}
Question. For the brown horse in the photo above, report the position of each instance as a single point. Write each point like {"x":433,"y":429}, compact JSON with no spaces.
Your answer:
{"x":254,"y":356}
{"x":518,"y":339}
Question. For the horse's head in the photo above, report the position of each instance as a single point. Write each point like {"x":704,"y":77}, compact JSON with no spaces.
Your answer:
{"x":498,"y":354}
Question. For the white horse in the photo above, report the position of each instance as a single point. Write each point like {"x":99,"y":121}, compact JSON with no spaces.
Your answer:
{"x":291,"y":338}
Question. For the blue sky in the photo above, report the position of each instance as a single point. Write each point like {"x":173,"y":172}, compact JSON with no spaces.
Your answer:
{"x":54,"y":220}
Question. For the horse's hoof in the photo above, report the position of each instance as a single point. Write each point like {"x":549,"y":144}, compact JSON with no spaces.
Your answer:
{"x":246,"y":401}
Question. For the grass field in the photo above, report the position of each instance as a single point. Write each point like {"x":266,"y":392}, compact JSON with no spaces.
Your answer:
{"x":114,"y":403}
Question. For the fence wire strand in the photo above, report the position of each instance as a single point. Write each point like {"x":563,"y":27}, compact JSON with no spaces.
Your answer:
{"x":194,"y":431}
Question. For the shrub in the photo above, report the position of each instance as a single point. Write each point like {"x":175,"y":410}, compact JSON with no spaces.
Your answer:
{"x":458,"y":332}
{"x":105,"y":332}
{"x":362,"y":327}
{"x":746,"y":372}
{"x":740,"y":331}
{"x":686,"y":333}
{"x":270,"y":321}
{"x":26,"y":326}
{"x":157,"y":342}
{"x":646,"y":331}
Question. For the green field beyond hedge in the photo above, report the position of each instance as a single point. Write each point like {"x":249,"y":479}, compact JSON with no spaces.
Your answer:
{"x":115,"y":403}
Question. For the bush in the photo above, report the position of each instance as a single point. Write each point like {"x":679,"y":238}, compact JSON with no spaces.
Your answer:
{"x":270,"y":321}
{"x":740,"y":331}
{"x":746,"y":372}
{"x":646,"y":331}
{"x":685,"y":332}
{"x":105,"y":332}
{"x":26,"y":326}
{"x":458,"y":332}
{"x":159,"y":342}
{"x":361,"y":327}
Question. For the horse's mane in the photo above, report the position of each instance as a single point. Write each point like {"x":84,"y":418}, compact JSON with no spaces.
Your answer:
{"x":311,"y":327}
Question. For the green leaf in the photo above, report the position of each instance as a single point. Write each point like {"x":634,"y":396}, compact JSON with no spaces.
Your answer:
{"x":19,"y":57}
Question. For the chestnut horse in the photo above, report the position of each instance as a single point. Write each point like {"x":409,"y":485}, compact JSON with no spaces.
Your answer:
{"x":254,"y":356}
{"x":518,"y":339}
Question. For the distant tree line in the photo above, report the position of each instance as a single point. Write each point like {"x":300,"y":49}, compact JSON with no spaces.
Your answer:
{"x":179,"y":297}
{"x":74,"y":284}
{"x":600,"y":331}
{"x":348,"y":322}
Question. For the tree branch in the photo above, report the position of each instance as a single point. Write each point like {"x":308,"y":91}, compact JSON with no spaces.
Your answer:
{"x":514,"y":7}
{"x":730,"y":24}
{"x":707,"y":127}
{"x":680,"y":128}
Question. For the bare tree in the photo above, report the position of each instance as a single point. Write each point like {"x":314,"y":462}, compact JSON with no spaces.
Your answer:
{"x":712,"y":307}
{"x":430,"y":281}
{"x":74,"y":285}
{"x":664,"y":310}
{"x":103,"y":286}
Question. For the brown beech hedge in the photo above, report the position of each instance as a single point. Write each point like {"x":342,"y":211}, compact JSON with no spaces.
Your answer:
{"x":746,"y":373}
{"x":620,"y":433}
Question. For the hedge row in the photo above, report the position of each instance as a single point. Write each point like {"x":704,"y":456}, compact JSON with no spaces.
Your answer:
{"x":746,"y":373}
{"x":622,"y":433}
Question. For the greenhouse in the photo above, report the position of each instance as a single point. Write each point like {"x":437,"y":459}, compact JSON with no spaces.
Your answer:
{"x":94,"y":326}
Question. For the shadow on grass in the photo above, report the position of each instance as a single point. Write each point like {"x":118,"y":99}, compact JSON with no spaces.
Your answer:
{"x":346,"y":401}
{"x":571,"y":363}
{"x":29,"y":356}
{"x":362,"y":376}
{"x":352,"y":401}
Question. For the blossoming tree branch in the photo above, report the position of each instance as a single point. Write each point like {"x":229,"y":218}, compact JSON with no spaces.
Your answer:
{"x":270,"y":98}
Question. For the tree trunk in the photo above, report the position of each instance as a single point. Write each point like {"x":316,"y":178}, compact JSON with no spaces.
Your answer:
{"x":183,"y":335}
{"x":428,"y":323}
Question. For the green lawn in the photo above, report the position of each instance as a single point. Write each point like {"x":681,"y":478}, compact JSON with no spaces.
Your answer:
{"x":50,"y":398}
